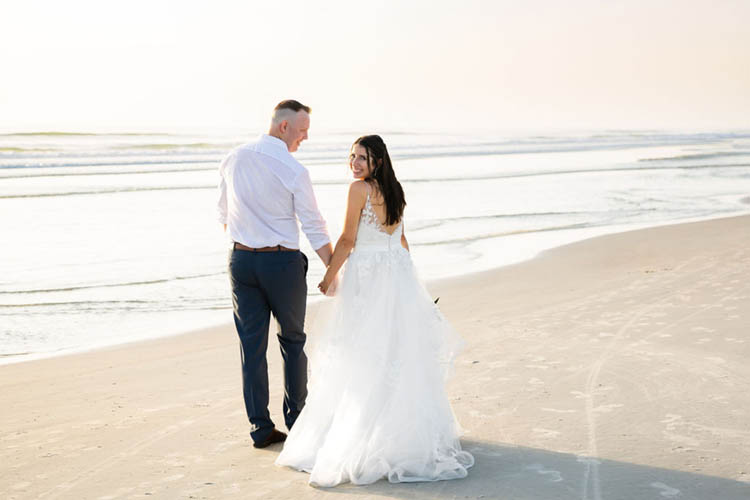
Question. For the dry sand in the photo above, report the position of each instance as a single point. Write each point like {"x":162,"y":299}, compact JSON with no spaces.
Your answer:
{"x":614,"y":368}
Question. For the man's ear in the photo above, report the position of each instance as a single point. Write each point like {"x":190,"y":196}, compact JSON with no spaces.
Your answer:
{"x":283,"y":126}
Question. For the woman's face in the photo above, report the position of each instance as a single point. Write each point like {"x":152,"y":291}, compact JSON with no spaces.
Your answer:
{"x":358,"y":162}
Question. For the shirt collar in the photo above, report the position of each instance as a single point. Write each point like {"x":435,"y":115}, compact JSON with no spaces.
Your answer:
{"x":274,"y":141}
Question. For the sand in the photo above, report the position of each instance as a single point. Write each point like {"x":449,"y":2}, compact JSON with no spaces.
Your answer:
{"x":613,"y":368}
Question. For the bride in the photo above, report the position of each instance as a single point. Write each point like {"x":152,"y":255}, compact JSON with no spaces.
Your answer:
{"x":377,"y":405}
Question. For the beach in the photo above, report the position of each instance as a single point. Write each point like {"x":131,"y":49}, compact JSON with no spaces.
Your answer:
{"x":611,"y":368}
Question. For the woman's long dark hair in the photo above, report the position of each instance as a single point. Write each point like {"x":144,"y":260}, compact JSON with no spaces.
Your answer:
{"x":383,"y":174}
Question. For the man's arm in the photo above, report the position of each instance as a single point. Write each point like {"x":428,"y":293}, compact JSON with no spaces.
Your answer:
{"x":313,"y":224}
{"x":325,"y":252}
{"x":221,"y":206}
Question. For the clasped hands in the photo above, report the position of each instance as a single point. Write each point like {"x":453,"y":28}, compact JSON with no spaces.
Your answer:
{"x":328,"y":285}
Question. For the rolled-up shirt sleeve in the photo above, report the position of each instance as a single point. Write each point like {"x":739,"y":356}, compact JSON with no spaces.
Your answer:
{"x":221,"y":207}
{"x":306,"y":208}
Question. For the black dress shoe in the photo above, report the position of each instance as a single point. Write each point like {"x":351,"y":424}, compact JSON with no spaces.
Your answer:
{"x":274,"y":437}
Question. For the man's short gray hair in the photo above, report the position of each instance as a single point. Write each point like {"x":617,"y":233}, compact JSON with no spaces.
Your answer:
{"x":286,"y":109}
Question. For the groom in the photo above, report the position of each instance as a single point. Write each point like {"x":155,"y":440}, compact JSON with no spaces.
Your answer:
{"x":263,"y":191}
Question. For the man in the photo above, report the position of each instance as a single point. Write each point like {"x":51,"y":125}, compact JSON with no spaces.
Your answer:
{"x":263,"y":191}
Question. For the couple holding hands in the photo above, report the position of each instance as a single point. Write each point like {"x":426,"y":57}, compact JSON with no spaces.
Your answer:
{"x":376,"y":406}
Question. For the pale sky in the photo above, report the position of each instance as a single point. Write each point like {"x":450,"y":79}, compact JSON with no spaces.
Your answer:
{"x":396,"y":65}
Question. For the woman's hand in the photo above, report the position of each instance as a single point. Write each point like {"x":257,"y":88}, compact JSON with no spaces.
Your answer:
{"x":328,"y":285}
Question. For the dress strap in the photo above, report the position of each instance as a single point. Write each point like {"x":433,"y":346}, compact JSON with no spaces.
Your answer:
{"x":368,"y":214}
{"x":368,"y":203}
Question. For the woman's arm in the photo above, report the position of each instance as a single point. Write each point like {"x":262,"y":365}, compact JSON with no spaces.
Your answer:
{"x":354,"y":205}
{"x":404,"y":243}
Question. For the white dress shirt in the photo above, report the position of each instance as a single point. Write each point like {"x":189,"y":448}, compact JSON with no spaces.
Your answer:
{"x":262,"y":192}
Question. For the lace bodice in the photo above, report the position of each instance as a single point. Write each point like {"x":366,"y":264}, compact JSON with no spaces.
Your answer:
{"x":372,"y":236}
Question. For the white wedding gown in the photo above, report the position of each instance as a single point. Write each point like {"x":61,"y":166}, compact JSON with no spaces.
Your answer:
{"x":377,"y":405}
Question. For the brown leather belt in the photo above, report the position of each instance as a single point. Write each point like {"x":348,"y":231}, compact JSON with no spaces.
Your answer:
{"x":277,"y":248}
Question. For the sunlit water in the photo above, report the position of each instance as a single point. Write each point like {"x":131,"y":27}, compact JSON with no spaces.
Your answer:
{"x":113,"y":238}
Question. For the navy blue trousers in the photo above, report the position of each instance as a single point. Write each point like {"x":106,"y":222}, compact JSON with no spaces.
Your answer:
{"x":265,"y":283}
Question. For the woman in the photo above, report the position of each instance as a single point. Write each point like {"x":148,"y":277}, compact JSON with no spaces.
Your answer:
{"x":377,"y":405}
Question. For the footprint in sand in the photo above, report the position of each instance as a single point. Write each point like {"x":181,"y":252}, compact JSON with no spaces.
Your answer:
{"x":553,"y":475}
{"x":545,"y":433}
{"x":478,"y":450}
{"x":555,"y":410}
{"x":670,"y":419}
{"x":666,"y":491}
{"x":479,"y":414}
{"x":702,"y":329}
{"x":589,"y":461}
{"x":607,"y":408}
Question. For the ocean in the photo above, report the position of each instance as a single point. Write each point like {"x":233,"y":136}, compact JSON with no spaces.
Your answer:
{"x":113,"y":238}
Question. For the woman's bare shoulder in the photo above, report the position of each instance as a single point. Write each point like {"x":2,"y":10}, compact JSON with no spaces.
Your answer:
{"x":358,"y":190}
{"x":358,"y":186}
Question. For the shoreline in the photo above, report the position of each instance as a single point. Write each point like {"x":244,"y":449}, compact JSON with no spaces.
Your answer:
{"x":12,"y":359}
{"x":615,"y":366}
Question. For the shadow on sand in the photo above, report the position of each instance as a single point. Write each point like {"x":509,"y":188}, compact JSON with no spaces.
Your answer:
{"x":517,"y":473}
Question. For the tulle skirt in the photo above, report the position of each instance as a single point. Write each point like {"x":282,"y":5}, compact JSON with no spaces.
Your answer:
{"x":379,"y":357}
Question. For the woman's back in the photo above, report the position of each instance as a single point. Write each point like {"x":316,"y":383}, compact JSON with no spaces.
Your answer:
{"x":372,"y":234}
{"x":378,"y":207}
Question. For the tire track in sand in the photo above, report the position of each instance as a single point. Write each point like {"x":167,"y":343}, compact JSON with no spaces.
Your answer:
{"x":591,"y":480}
